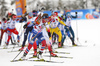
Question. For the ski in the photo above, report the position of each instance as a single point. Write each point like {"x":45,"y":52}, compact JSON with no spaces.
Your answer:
{"x":42,"y":60}
{"x":33,"y":57}
{"x":22,"y":59}
{"x":8,"y":47}
{"x":78,"y":46}
{"x":58,"y":56}
{"x":39,"y":60}
{"x":61,"y":52}
{"x":19,"y":60}
{"x":54,"y":52}
{"x":13,"y":51}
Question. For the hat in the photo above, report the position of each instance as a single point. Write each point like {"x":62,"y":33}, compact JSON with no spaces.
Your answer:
{"x":56,"y":13}
{"x":45,"y":16}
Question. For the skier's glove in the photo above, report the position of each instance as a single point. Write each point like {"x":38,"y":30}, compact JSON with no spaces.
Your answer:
{"x":76,"y":12}
{"x":25,"y":26}
{"x":67,"y":27}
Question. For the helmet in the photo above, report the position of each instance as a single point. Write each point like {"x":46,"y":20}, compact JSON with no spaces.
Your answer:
{"x":68,"y":14}
{"x":34,"y":13}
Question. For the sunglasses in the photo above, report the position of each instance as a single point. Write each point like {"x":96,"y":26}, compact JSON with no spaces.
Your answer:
{"x":14,"y":16}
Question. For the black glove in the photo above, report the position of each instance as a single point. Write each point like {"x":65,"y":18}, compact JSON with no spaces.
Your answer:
{"x":66,"y":25}
{"x":76,"y":12}
{"x":25,"y":26}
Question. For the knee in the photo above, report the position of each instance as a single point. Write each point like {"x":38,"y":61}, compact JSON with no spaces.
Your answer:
{"x":31,"y":42}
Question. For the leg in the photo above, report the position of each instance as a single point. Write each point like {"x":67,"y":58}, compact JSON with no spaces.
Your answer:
{"x":50,"y":50}
{"x":29,"y":46}
{"x":54,"y":38}
{"x":63,"y":37}
{"x":9,"y":36}
{"x":35,"y":49}
{"x":25,"y":37}
{"x":2,"y":32}
{"x":73,"y":36}
{"x":58,"y":32}
{"x":17,"y":33}
{"x":43,"y":42}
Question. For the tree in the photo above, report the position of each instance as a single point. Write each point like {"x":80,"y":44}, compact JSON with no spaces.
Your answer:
{"x":3,"y":8}
{"x":96,"y":3}
{"x":75,"y":5}
{"x":12,"y":2}
{"x":60,"y":4}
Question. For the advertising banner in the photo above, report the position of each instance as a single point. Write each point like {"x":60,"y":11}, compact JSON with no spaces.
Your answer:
{"x":20,"y":7}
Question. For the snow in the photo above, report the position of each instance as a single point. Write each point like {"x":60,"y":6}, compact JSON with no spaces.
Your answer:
{"x":86,"y":55}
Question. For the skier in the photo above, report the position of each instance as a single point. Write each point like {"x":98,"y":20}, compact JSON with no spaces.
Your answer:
{"x":28,"y":26}
{"x":3,"y":28}
{"x":11,"y":28}
{"x":8,"y":16}
{"x":54,"y":27}
{"x":36,"y":33}
{"x":61,"y":27}
{"x":70,"y":30}
{"x":44,"y":24}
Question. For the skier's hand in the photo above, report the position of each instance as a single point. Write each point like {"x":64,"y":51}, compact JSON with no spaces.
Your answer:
{"x":67,"y":27}
{"x":76,"y":12}
{"x":25,"y":26}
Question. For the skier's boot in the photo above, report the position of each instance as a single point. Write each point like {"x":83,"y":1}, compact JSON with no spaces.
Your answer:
{"x":23,"y":57}
{"x":35,"y":53}
{"x":59,"y":45}
{"x":73,"y":42}
{"x":21,"y":49}
{"x":52,"y":54}
{"x":40,"y":55}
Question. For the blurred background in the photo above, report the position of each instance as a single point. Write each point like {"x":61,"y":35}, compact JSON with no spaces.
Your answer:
{"x":8,"y":5}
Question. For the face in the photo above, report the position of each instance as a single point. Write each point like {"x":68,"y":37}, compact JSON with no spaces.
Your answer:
{"x":9,"y":14}
{"x":14,"y":17}
{"x":45,"y":20}
{"x":68,"y":16}
{"x":55,"y":15}
{"x":29,"y":17}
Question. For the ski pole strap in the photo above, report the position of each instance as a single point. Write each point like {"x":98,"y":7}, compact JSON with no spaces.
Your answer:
{"x":36,"y":34}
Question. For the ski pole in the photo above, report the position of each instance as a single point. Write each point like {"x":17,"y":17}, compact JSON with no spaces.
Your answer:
{"x":20,"y":35}
{"x":16,"y":56}
{"x":21,"y":51}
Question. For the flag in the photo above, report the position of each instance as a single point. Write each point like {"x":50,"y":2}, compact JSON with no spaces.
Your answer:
{"x":20,"y":7}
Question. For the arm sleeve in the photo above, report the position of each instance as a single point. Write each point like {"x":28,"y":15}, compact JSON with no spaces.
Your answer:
{"x":61,"y":22}
{"x":74,"y":16}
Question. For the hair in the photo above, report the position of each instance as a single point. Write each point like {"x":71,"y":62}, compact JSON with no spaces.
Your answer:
{"x":44,"y":15}
{"x":34,"y":11}
{"x":3,"y":19}
{"x":13,"y":15}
